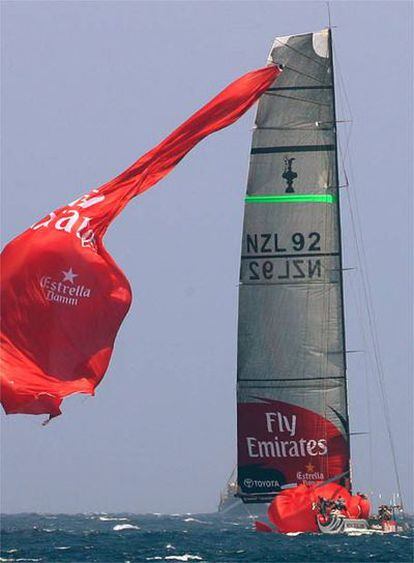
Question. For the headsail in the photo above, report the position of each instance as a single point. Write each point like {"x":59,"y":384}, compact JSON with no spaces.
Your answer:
{"x":292,"y":400}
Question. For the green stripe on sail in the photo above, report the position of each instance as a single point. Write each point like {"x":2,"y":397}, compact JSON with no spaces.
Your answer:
{"x":291,"y":198}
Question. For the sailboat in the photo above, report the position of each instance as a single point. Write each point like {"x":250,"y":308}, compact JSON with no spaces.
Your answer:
{"x":292,"y":400}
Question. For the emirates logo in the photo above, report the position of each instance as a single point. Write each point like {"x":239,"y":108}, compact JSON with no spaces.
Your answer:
{"x":66,"y":290}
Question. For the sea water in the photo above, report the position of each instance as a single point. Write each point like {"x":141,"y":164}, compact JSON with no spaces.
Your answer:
{"x":181,"y":537}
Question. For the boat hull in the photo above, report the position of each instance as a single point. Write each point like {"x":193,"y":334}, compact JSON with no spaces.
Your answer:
{"x":339,"y":525}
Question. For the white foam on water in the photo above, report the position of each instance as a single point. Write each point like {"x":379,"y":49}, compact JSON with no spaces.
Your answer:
{"x":112,"y":519}
{"x":12,"y":551}
{"x":120,"y":527}
{"x":293,"y":533}
{"x":154,"y":558}
{"x":63,"y":547}
{"x":169,"y":546}
{"x":193,"y":520}
{"x":185,"y":557}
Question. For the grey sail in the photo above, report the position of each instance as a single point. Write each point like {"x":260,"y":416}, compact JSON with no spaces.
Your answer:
{"x":291,"y":373}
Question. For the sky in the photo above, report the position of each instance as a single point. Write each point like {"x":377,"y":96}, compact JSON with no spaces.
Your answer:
{"x":87,"y":87}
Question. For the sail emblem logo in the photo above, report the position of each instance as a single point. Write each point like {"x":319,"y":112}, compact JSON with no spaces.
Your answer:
{"x":289,"y":175}
{"x":65,"y":290}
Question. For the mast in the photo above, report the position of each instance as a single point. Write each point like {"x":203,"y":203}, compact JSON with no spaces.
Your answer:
{"x":341,"y":270}
{"x":291,"y":375}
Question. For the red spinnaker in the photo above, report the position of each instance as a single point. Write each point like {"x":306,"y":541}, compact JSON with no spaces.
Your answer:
{"x":63,"y":296}
{"x":293,"y":510}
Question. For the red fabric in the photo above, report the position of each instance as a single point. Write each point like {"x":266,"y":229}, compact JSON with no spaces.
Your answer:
{"x":365,"y":507}
{"x":292,"y":509}
{"x":262,"y":527}
{"x":359,"y":507}
{"x":63,"y":296}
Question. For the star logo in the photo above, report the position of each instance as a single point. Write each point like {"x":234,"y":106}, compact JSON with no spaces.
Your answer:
{"x":69,"y":275}
{"x":310,"y":468}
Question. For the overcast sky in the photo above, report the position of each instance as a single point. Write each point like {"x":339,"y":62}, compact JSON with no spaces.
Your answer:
{"x":89,"y":87}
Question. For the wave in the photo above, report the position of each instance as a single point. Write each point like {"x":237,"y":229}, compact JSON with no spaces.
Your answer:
{"x":120,"y":527}
{"x":185,"y":557}
{"x":112,"y":519}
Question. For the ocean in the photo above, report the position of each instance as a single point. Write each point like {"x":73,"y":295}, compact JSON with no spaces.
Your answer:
{"x":178,"y":537}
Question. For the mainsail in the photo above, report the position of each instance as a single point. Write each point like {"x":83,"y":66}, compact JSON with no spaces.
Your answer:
{"x":291,"y":373}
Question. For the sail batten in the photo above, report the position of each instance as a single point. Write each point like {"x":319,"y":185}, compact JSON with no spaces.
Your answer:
{"x":291,"y":391}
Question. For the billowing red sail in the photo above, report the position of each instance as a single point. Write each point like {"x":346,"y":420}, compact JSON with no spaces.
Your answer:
{"x":359,"y":506}
{"x":294,"y":510}
{"x":63,"y":296}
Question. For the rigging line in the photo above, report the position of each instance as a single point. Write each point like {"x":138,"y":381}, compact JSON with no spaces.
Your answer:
{"x":304,"y":74}
{"x":300,"y":53}
{"x":366,"y":375}
{"x":305,"y":126}
{"x":374,"y":334}
{"x":344,"y":98}
{"x":297,"y":99}
{"x":329,"y":14}
{"x":361,"y":253}
{"x":344,"y":153}
{"x":347,"y":112}
{"x":343,"y":88}
{"x":268,"y":128}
